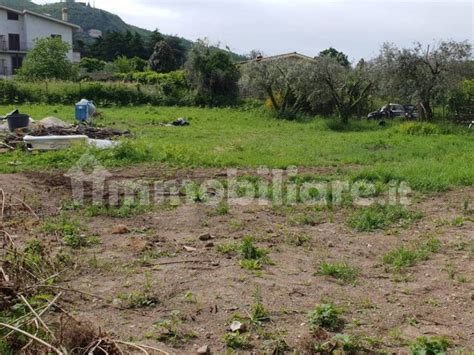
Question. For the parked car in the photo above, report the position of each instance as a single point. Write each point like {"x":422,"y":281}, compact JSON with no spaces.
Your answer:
{"x":394,"y":110}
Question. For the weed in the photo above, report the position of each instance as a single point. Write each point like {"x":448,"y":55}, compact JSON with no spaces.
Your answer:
{"x":227,"y":248}
{"x":221,"y":209}
{"x":236,"y":225}
{"x":298,"y":239}
{"x":258,"y":313}
{"x":70,"y":231}
{"x":325,"y":316}
{"x":340,"y":271}
{"x":429,"y":346}
{"x":237,"y":341}
{"x":125,"y":210}
{"x":249,"y":251}
{"x":251,"y":265}
{"x":172,"y":331}
{"x":190,"y":297}
{"x":404,"y":257}
{"x":380,"y":216}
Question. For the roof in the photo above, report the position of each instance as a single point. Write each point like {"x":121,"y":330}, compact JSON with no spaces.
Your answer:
{"x":49,"y":18}
{"x":277,"y":57}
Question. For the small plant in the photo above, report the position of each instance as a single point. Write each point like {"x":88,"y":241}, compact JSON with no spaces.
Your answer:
{"x":124,"y":210}
{"x":172,"y":331}
{"x":404,"y":257}
{"x":298,"y":239}
{"x":380,"y":216}
{"x":339,"y":271}
{"x":430,"y":346}
{"x":227,"y":248}
{"x":237,"y":341}
{"x":221,"y":209}
{"x":252,"y":257}
{"x":325,"y":316}
{"x":258,"y":313}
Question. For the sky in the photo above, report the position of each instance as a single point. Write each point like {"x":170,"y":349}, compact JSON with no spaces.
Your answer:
{"x":358,"y":28}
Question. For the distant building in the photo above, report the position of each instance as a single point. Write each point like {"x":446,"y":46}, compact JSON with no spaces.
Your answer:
{"x":20,"y":29}
{"x":95,"y":33}
{"x":294,"y":56}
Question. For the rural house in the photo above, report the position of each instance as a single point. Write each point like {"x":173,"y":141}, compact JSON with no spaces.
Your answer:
{"x":20,"y":29}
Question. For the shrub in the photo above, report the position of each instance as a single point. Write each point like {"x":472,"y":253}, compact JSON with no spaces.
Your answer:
{"x":325,"y":316}
{"x":418,"y":128}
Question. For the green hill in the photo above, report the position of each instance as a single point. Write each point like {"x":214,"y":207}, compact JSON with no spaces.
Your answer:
{"x":82,"y":14}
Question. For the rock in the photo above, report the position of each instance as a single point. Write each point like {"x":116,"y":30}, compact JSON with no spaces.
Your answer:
{"x":203,"y":350}
{"x":209,"y":245}
{"x":205,"y":237}
{"x":50,"y":122}
{"x":330,"y":245}
{"x":215,"y":263}
{"x":120,"y":229}
{"x":189,"y":248}
{"x":237,"y":326}
{"x":472,"y":297}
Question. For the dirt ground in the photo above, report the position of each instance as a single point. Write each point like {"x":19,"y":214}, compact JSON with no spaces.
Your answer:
{"x":169,"y":259}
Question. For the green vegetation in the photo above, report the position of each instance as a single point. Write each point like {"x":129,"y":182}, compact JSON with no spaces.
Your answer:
{"x":215,"y":139}
{"x":71,"y":232}
{"x":430,"y":346}
{"x":380,"y":216}
{"x":252,"y":258}
{"x":340,"y":271}
{"x":171,"y":330}
{"x":237,"y":341}
{"x":404,"y":257}
{"x":326,"y":316}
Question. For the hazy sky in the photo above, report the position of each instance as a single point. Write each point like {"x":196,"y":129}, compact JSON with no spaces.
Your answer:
{"x":308,"y":26}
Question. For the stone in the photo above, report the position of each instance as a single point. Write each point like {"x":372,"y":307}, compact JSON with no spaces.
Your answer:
{"x":237,"y":326}
{"x":205,"y":237}
{"x":120,"y":229}
{"x":203,"y":350}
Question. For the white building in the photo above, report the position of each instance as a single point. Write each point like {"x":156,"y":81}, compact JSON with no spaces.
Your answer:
{"x":20,"y":29}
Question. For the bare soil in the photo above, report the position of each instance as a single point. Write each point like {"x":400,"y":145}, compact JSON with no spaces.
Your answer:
{"x":160,"y":253}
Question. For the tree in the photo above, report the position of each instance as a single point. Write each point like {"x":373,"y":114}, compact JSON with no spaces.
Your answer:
{"x":48,"y":60}
{"x":213,"y":75}
{"x":179,"y":51}
{"x":91,"y":65}
{"x":349,"y":87}
{"x":154,"y":38}
{"x":422,"y":73}
{"x":162,"y":60}
{"x":340,"y":57}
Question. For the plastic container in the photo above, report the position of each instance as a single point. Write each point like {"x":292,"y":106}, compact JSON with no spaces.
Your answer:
{"x":85,"y":109}
{"x":17,"y":120}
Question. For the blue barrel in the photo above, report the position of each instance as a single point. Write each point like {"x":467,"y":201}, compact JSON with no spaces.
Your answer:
{"x":82,"y":112}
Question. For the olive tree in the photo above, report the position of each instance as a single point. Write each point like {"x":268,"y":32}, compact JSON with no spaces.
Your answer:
{"x":422,"y":73}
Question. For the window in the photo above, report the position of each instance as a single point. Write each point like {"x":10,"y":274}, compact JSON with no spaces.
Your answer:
{"x":57,"y":36}
{"x":13,"y":42}
{"x":12,"y":16}
{"x":17,"y":62}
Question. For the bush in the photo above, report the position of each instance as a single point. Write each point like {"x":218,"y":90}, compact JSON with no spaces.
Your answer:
{"x":461,"y":100}
{"x":418,"y":128}
{"x":325,"y":316}
{"x":103,"y":93}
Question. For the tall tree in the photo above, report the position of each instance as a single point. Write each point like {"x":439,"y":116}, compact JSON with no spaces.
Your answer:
{"x":162,"y":60}
{"x":333,"y":53}
{"x":423,"y":73}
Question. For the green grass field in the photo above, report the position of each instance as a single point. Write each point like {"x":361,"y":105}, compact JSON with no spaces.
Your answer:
{"x":432,"y":161}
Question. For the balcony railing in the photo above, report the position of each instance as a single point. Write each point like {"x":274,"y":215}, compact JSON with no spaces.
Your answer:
{"x":21,"y":47}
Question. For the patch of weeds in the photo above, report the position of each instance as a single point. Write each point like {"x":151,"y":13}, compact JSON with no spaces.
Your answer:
{"x":190,"y":297}
{"x":221,"y":209}
{"x":141,"y":299}
{"x":451,"y":270}
{"x":457,"y":222}
{"x":297,"y":239}
{"x":252,"y":258}
{"x":237,"y":341}
{"x":309,"y":219}
{"x":125,"y":210}
{"x":258,"y":314}
{"x":227,"y":248}
{"x":70,"y":231}
{"x":404,"y":257}
{"x":339,"y":343}
{"x":325,"y":316}
{"x":236,"y":225}
{"x":171,"y":330}
{"x":429,"y":346}
{"x":340,"y":271}
{"x":380,"y":217}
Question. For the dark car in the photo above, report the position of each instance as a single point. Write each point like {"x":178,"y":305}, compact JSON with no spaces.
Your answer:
{"x":394,"y":110}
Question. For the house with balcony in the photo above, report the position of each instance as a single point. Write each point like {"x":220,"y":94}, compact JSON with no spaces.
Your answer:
{"x":20,"y":29}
